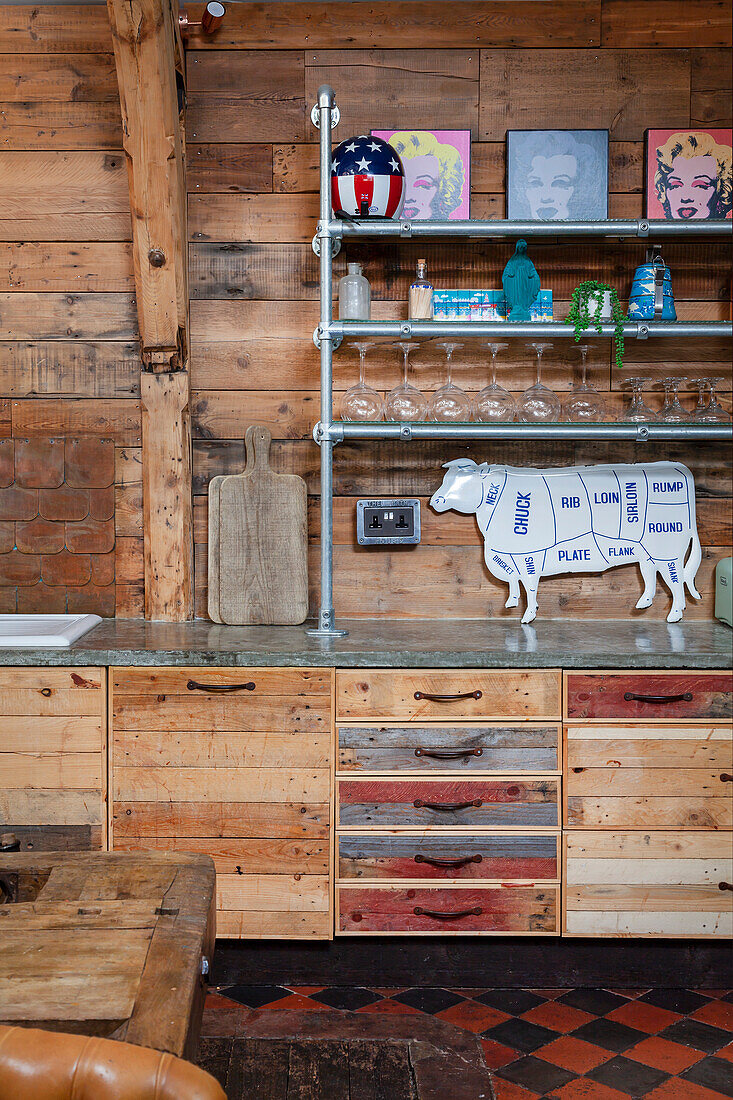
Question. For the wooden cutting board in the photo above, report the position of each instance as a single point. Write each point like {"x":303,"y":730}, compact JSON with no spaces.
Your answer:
{"x":263,"y":541}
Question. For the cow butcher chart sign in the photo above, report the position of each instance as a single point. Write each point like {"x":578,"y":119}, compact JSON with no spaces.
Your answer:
{"x":580,"y":519}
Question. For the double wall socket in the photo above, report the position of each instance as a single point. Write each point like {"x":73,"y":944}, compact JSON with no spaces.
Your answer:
{"x":388,"y":522}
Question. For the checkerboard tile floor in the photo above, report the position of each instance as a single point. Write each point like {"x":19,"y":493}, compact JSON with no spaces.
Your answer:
{"x":556,"y":1044}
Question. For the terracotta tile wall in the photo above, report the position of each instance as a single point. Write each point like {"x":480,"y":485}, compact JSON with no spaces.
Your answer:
{"x":58,"y":544}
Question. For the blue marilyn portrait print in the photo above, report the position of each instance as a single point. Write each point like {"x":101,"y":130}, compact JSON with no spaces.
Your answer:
{"x":557,"y":175}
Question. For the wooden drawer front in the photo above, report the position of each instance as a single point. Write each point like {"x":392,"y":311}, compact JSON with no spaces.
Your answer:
{"x":503,"y":694}
{"x":242,"y":777}
{"x":495,"y":909}
{"x":52,"y":757}
{"x":604,"y":695}
{"x":388,"y":803}
{"x":518,"y":857}
{"x":281,"y":700}
{"x":649,"y":777}
{"x":655,"y":884}
{"x":524,"y":748}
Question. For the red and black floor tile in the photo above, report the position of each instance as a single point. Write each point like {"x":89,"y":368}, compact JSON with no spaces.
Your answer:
{"x":555,"y":1044}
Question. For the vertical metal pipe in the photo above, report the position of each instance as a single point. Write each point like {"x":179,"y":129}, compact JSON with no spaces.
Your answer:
{"x":325,"y":104}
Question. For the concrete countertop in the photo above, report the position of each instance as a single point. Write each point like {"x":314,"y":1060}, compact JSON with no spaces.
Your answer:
{"x":474,"y":643}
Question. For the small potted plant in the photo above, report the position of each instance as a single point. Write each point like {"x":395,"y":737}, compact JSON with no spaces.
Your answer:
{"x":592,"y":304}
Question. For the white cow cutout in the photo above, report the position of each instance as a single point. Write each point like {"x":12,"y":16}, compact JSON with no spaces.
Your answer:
{"x":580,"y":519}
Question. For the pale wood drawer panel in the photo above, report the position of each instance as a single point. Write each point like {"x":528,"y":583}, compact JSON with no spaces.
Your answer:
{"x":53,"y":757}
{"x":222,"y":749}
{"x":648,"y":884}
{"x":639,"y":746}
{"x":370,"y":858}
{"x":447,"y":803}
{"x":502,"y":694}
{"x":244,"y":856}
{"x":648,"y":777}
{"x":524,"y":748}
{"x":238,"y":925}
{"x":51,"y":691}
{"x":268,"y":681}
{"x":663,"y":695}
{"x":451,"y":910}
{"x":273,"y":893}
{"x":222,"y":700}
{"x":221,"y":784}
{"x":219,"y":819}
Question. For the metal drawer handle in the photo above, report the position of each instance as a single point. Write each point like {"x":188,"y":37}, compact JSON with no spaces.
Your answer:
{"x":220,"y":689}
{"x":630,"y":696}
{"x":434,"y":861}
{"x":456,"y":915}
{"x":448,"y":754}
{"x":726,"y":777}
{"x":725,"y":886}
{"x":445,"y":807}
{"x":448,"y":698}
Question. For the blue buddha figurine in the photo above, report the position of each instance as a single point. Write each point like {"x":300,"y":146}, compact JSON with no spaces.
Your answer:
{"x":521,"y":284}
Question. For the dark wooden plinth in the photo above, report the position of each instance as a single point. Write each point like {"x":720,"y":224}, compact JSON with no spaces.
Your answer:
{"x":343,"y":1056}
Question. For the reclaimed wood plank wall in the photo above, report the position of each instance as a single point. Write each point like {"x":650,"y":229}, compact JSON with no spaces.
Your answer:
{"x":67,"y":313}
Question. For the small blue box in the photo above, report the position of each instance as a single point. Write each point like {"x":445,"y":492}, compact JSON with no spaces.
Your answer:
{"x":484,"y":305}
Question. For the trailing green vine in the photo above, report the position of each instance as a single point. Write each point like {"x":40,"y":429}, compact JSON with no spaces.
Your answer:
{"x":580,"y":317}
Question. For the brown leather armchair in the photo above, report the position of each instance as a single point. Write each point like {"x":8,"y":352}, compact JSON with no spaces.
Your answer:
{"x":49,"y":1065}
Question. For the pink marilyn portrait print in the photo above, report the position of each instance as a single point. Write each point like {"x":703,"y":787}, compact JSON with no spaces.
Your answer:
{"x":437,"y":172}
{"x":689,"y":174}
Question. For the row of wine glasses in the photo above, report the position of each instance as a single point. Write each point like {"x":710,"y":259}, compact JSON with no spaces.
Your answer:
{"x":539,"y":404}
{"x":708,"y":409}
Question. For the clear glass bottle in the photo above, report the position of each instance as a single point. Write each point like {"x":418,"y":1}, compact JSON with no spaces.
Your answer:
{"x":421,"y":295}
{"x":355,"y":295}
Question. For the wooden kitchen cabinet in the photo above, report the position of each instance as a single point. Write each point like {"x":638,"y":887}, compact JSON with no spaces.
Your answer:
{"x":235,"y":763}
{"x":448,"y":802}
{"x":53,"y":757}
{"x":648,"y":804}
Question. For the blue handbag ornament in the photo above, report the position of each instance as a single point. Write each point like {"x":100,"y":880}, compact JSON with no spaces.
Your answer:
{"x":651,"y":296}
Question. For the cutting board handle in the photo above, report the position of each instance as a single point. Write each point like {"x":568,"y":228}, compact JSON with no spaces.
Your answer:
{"x":257,"y":440}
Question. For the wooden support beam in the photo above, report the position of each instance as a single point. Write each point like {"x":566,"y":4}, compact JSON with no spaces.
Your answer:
{"x":149,"y":60}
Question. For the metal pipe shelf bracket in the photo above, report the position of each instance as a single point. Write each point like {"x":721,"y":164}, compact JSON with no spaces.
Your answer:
{"x":328,"y":336}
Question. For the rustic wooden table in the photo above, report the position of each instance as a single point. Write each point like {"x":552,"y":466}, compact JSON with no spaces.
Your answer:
{"x":107,"y":944}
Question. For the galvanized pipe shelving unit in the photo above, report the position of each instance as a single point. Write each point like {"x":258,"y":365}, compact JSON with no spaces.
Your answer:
{"x":329,"y":334}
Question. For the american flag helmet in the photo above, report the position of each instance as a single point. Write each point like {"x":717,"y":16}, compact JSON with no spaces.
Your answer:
{"x":367,"y":179}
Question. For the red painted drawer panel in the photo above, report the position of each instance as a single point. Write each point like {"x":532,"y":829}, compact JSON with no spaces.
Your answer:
{"x":604,"y":695}
{"x":436,"y":856}
{"x":391,"y":803}
{"x":511,"y":909}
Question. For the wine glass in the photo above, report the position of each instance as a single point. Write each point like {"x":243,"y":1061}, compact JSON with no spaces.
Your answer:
{"x":361,"y":402}
{"x":713,"y":412}
{"x":494,"y":404}
{"x":672,"y":412}
{"x":538,"y":404}
{"x":405,"y":402}
{"x":450,"y":402}
{"x":638,"y":412}
{"x":585,"y":404}
{"x":698,"y":413}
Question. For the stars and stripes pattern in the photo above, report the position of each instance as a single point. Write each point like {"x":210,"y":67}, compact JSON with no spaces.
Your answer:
{"x":367,"y":178}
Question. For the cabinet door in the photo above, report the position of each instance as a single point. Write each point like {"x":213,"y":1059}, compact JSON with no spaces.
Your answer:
{"x":237,"y":764}
{"x":648,"y":884}
{"x":53,"y":786}
{"x":648,"y":776}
